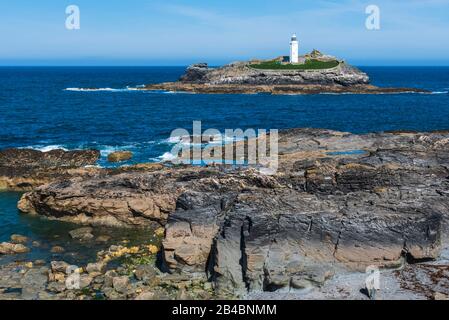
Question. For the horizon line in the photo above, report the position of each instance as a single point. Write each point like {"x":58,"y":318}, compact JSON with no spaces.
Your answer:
{"x":186,"y":65}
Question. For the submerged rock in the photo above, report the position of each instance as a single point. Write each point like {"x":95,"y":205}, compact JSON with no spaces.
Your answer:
{"x":17,"y":238}
{"x":12,"y":248}
{"x":83,"y":234}
{"x":103,"y":238}
{"x":57,"y":249}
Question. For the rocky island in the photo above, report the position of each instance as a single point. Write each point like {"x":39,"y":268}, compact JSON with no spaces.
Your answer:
{"x":339,"y":202}
{"x":318,"y":73}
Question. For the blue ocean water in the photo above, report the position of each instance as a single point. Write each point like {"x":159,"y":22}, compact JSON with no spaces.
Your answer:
{"x":37,"y":111}
{"x":44,"y":108}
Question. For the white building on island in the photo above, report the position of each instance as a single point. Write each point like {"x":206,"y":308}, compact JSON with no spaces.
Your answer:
{"x":294,"y":49}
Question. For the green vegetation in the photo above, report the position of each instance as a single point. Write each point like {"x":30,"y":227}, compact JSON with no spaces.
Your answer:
{"x":308,"y":65}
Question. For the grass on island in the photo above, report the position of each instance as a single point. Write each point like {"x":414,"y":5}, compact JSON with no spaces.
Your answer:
{"x":308,"y":65}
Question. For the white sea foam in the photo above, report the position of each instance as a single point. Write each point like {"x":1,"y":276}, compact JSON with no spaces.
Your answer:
{"x":176,"y":92}
{"x":167,"y":156}
{"x":173,"y":140}
{"x":89,"y":89}
{"x":215,"y":140}
{"x":46,"y":148}
{"x":177,"y":139}
{"x":105,"y":150}
{"x":127,"y":89}
{"x":439,"y":92}
{"x":137,"y":88}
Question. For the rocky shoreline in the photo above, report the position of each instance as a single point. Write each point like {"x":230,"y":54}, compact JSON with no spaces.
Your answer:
{"x":241,"y":78}
{"x":339,"y":203}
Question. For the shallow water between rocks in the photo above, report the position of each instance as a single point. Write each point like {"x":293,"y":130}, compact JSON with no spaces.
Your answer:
{"x":50,"y":233}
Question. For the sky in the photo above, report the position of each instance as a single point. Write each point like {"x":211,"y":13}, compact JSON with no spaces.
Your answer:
{"x":180,"y":32}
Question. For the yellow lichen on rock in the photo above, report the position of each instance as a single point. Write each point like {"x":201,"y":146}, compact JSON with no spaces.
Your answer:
{"x":159,"y":232}
{"x":119,"y":252}
{"x":153,"y":249}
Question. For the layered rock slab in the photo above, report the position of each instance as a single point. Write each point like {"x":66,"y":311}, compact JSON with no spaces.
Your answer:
{"x":326,"y":208}
{"x":24,"y":169}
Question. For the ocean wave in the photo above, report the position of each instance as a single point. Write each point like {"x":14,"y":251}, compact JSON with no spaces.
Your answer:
{"x":213,"y":139}
{"x":439,"y":92}
{"x":127,"y":89}
{"x":175,"y":92}
{"x":175,"y":139}
{"x":106,"y":150}
{"x":167,"y":156}
{"x":46,"y":148}
{"x":137,"y":88}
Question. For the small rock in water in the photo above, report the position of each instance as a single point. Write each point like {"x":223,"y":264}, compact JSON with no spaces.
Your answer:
{"x":39,"y":262}
{"x":119,"y":156}
{"x":36,"y":244}
{"x":103,"y":238}
{"x":17,"y":238}
{"x":12,"y":248}
{"x":82,"y":233}
{"x":57,"y":249}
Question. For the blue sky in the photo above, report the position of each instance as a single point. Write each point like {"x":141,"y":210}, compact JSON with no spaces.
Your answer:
{"x":179,"y":32}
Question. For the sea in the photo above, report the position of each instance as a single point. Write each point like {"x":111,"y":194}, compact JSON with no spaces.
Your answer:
{"x":46,"y":108}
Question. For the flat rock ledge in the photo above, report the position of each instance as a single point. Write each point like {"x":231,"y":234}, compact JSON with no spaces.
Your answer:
{"x":338,"y":201}
{"x":24,"y":169}
{"x":241,"y":78}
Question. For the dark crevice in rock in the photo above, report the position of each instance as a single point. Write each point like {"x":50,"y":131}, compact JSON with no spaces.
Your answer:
{"x":309,"y":228}
{"x":337,"y":242}
{"x":412,"y":260}
{"x":245,"y":231}
{"x":211,"y":262}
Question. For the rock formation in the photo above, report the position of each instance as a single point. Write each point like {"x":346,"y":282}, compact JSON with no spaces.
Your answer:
{"x":119,"y":156}
{"x":24,"y":169}
{"x":241,"y":73}
{"x":241,"y":77}
{"x":338,"y":200}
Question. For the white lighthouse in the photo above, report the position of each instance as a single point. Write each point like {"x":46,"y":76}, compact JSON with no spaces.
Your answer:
{"x":294,"y":49}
